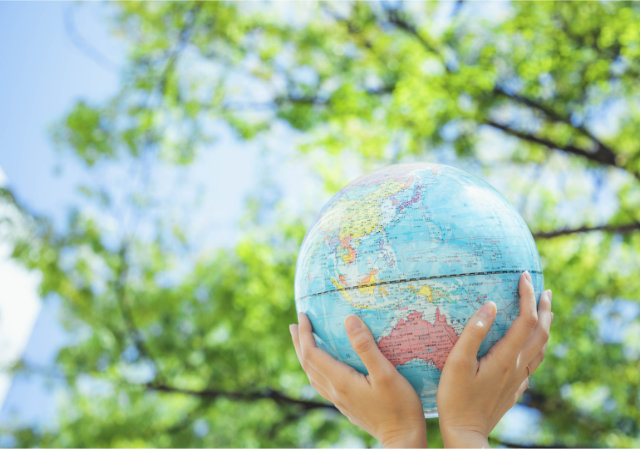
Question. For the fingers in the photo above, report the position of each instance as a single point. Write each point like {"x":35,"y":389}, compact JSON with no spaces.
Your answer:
{"x":309,"y":370}
{"x":465,"y":351}
{"x":317,"y":358}
{"x":523,"y":387}
{"x":538,"y":339}
{"x":537,"y":359}
{"x":307,"y":343}
{"x":365,"y":346}
{"x":509,"y":347}
{"x":316,"y":379}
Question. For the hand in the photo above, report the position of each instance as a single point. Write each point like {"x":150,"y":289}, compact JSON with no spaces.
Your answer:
{"x":383,"y":403}
{"x":474,"y":395}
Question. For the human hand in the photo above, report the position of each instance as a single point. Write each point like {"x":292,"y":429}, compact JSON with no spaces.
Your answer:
{"x":474,"y":395}
{"x":383,"y":403}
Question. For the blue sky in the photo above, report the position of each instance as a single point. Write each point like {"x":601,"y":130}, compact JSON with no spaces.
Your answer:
{"x":43,"y":73}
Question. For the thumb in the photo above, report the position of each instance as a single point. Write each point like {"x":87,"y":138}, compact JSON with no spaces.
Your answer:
{"x":365,"y":346}
{"x":476,"y":329}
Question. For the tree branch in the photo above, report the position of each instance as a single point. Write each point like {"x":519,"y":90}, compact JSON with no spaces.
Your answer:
{"x":393,"y":16}
{"x":81,"y":43}
{"x":556,"y":117}
{"x":456,"y":9}
{"x":205,"y":394}
{"x":618,"y":229}
{"x":289,"y":98}
{"x":212,"y":394}
{"x":601,"y":156}
{"x":132,"y":329}
{"x":348,"y":23}
{"x":186,"y":32}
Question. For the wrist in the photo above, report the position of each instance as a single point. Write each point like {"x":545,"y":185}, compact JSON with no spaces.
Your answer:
{"x":413,"y":438}
{"x":463,"y":438}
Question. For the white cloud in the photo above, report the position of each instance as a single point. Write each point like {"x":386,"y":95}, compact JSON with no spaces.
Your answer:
{"x":19,"y":308}
{"x":3,"y":178}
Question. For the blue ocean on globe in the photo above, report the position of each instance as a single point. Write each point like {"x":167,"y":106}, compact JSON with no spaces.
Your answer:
{"x":413,"y":250}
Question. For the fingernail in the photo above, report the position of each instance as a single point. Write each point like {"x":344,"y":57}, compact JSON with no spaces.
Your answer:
{"x":300,"y":317}
{"x":485,"y":311}
{"x":291,"y":328}
{"x":527,"y":275}
{"x":353,"y":324}
{"x":484,"y":314}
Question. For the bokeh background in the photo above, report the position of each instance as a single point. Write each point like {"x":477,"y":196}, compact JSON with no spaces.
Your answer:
{"x":160,"y":163}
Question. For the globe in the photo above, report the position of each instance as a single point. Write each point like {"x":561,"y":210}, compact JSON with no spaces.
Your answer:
{"x":413,"y":250}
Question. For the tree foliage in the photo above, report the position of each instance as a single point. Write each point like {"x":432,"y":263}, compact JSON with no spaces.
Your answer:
{"x":542,"y":101}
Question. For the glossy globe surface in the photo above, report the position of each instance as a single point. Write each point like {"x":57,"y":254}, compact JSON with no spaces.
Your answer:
{"x":414,"y":250}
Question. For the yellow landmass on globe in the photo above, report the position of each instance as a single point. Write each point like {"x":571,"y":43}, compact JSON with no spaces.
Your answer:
{"x":366,"y":285}
{"x":362,"y":216}
{"x":424,"y":291}
{"x":347,"y":296}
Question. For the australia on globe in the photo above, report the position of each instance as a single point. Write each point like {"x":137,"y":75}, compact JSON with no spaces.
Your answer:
{"x":413,"y":250}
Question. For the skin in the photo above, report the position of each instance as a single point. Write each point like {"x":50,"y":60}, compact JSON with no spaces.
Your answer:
{"x":473,"y":394}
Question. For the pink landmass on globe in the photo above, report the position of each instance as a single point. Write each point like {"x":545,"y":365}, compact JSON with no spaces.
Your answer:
{"x":416,"y":338}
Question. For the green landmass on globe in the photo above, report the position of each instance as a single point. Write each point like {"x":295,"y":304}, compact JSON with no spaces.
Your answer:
{"x":414,"y":250}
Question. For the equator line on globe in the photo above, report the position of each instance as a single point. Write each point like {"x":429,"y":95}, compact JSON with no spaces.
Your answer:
{"x":414,"y":250}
